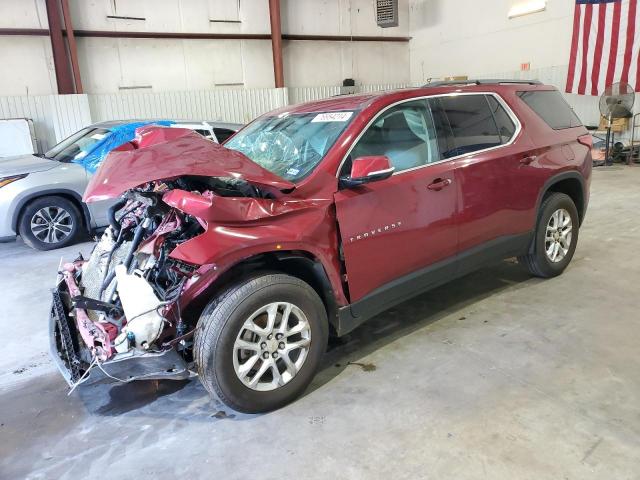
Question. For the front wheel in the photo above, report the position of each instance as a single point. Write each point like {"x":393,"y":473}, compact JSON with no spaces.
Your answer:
{"x":259,"y":344}
{"x":556,"y":237}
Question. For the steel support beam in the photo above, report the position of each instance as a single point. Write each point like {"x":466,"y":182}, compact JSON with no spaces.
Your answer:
{"x":204,"y":36}
{"x":61,"y":62}
{"x":31,"y":32}
{"x":73,"y":49}
{"x":276,"y":42}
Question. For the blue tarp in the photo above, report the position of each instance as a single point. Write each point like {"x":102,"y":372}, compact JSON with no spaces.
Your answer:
{"x":116,"y":137}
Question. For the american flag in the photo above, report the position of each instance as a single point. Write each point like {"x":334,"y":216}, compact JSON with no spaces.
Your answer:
{"x":605,"y":45}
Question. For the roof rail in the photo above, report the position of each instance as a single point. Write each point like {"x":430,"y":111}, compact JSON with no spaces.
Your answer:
{"x":480,"y":82}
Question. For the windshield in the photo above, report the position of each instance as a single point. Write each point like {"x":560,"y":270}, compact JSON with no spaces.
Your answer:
{"x":78,"y":145}
{"x":290,"y":146}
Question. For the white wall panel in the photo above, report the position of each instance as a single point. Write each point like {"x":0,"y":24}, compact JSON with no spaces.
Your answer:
{"x":460,"y":37}
{"x":69,"y":113}
{"x":239,"y":105}
{"x":23,"y":14}
{"x":308,"y":94}
{"x":224,"y":10}
{"x":339,"y":17}
{"x":109,"y":64}
{"x":315,"y":63}
{"x":383,"y":87}
{"x":38,"y":109}
{"x":54,"y":116}
{"x":26,"y":66}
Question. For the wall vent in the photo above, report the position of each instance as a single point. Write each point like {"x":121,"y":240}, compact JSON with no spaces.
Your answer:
{"x":387,"y":13}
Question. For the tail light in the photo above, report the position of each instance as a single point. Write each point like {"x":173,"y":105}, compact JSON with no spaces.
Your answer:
{"x":586,"y":140}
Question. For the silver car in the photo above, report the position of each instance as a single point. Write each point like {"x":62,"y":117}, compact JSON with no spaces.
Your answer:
{"x":41,"y":195}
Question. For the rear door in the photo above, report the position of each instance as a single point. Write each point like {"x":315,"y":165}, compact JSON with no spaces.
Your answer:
{"x":490,"y":151}
{"x":394,"y":229}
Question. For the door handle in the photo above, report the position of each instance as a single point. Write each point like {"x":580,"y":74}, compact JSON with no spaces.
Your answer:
{"x":528,"y":160}
{"x":439,"y":183}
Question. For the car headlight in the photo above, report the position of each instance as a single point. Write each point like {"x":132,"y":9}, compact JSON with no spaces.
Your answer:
{"x":7,"y":180}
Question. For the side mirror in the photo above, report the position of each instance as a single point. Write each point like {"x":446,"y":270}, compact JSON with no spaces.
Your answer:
{"x":367,"y":170}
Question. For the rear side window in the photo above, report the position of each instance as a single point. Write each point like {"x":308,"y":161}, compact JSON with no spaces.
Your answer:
{"x":506,"y":127}
{"x":205,"y":133}
{"x":551,"y":106}
{"x":472,"y":122}
{"x":222,"y":134}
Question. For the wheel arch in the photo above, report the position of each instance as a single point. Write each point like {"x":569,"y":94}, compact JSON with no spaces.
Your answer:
{"x":70,"y":195}
{"x":569,"y":183}
{"x":297,"y":263}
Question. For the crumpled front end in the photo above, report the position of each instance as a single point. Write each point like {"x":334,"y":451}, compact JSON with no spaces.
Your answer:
{"x":116,"y":315}
{"x":120,"y":314}
{"x":78,"y":363}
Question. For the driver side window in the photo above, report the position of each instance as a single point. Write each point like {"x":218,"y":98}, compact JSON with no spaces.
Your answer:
{"x":404,"y":133}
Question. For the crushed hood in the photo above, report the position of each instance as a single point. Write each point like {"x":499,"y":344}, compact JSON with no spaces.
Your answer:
{"x":17,"y":165}
{"x":164,"y":153}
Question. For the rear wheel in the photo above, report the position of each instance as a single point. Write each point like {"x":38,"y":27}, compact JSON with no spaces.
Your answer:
{"x":556,"y":237}
{"x":50,"y":222}
{"x":259,"y":344}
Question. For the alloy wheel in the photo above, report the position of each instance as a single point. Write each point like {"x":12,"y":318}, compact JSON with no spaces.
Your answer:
{"x":557,"y":239}
{"x":272,"y":346}
{"x":51,"y":224}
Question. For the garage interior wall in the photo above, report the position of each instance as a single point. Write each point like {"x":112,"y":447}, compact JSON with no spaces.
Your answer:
{"x":327,"y":62}
{"x":468,"y":37}
{"x":27,"y":61}
{"x":444,"y":42}
{"x":111,"y":65}
{"x":479,"y":40}
{"x":226,"y":79}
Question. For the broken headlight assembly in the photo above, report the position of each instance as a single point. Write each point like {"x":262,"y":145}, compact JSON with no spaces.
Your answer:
{"x":118,"y":312}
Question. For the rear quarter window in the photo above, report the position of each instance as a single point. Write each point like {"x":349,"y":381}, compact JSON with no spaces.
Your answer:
{"x":506,"y":127}
{"x":551,"y":106}
{"x":473,"y":123}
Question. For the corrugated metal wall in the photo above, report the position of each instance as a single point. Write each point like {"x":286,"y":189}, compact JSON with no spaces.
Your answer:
{"x":376,"y":88}
{"x":54,"y":116}
{"x":239,"y":105}
{"x":70,"y":113}
{"x":308,"y":94}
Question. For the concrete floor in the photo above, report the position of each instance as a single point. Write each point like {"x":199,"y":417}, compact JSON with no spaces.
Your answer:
{"x":497,"y":375}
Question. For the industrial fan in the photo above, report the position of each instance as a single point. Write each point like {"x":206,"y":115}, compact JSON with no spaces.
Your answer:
{"x":616,"y":102}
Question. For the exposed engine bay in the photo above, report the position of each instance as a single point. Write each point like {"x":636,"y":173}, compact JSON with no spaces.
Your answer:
{"x":126,"y":297}
{"x":186,"y":213}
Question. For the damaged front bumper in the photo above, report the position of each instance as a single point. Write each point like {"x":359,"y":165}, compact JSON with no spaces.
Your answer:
{"x":79,"y":364}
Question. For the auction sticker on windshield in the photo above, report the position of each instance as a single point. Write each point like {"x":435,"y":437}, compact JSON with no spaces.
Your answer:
{"x":332,"y":117}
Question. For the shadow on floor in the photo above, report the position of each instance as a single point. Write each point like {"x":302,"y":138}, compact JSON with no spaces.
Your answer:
{"x":414,"y":315}
{"x":43,"y":405}
{"x":192,"y":402}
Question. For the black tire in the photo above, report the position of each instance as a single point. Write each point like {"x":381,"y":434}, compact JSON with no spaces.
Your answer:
{"x":537,"y":261}
{"x":72,"y":223}
{"x":221,"y":322}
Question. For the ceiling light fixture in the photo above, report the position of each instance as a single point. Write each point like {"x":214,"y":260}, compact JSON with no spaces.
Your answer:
{"x":525,"y":8}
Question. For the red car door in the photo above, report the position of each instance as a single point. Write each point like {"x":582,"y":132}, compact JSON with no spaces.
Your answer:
{"x":395,"y":229}
{"x":491,"y":156}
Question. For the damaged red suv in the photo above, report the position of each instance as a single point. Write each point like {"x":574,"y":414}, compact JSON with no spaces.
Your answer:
{"x":238,"y":261}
